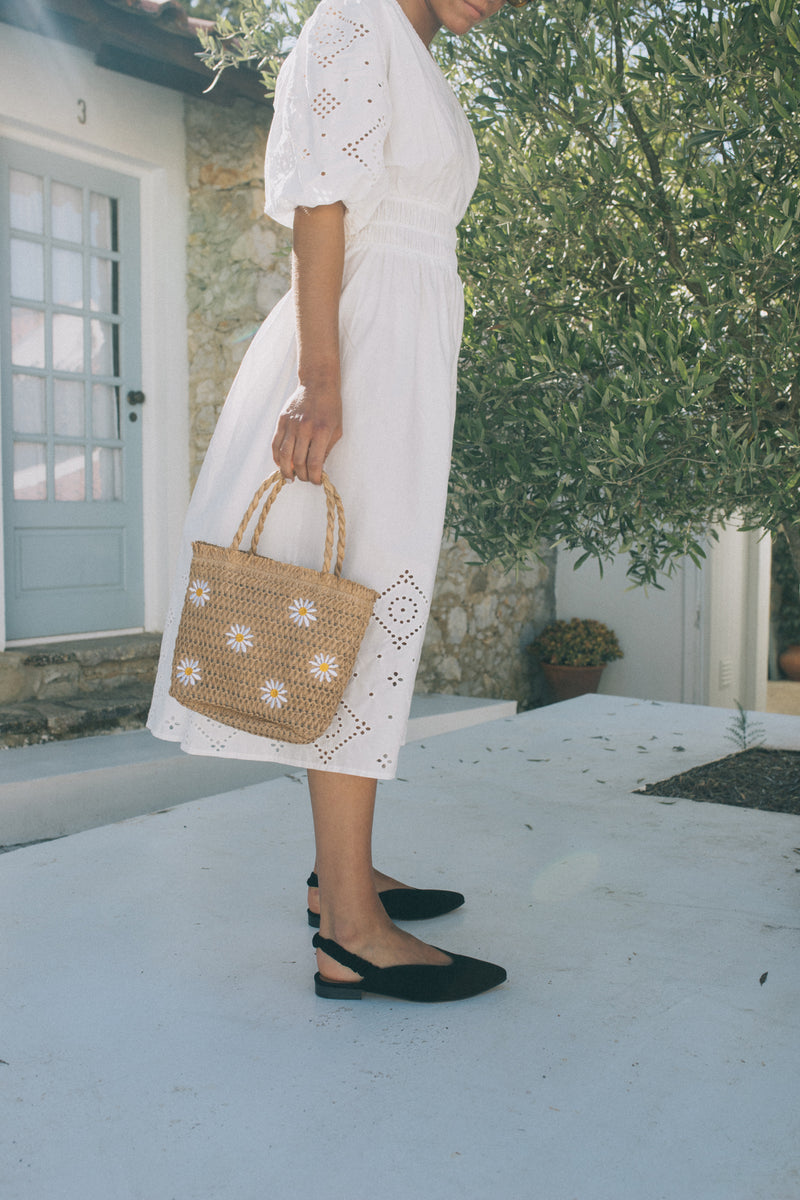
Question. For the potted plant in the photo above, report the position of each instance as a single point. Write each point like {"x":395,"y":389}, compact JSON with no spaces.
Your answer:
{"x":572,"y":655}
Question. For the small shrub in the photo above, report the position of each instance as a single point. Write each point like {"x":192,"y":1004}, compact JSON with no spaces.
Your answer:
{"x":580,"y":642}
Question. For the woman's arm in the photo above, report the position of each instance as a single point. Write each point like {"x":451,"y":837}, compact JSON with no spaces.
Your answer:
{"x":311,"y":422}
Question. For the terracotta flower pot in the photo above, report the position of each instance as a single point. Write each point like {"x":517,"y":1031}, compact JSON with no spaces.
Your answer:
{"x":568,"y":682}
{"x":789,"y":662}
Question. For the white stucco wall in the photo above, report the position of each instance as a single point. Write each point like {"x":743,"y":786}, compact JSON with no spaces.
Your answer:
{"x":738,"y":631}
{"x":660,"y":632}
{"x":702,"y":640}
{"x":137,"y":129}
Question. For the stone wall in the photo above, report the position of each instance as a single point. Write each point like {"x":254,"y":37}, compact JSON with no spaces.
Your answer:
{"x":481,"y":621}
{"x":238,"y":267}
{"x":238,"y":264}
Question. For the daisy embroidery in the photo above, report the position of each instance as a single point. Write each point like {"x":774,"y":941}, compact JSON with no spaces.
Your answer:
{"x":303,"y":612}
{"x":189,"y":671}
{"x":324,"y":667}
{"x":199,"y":592}
{"x":273,"y":693}
{"x":240,"y":639}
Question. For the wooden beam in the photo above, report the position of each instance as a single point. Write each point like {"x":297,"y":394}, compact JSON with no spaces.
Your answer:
{"x":146,"y":45}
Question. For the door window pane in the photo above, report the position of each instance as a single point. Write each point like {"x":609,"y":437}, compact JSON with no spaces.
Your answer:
{"x":104,"y":285}
{"x":27,"y":337}
{"x":70,"y":473}
{"x":30,"y":411}
{"x":68,"y":407}
{"x":27,"y":201}
{"x":68,"y":277}
{"x":67,"y":343}
{"x":106,"y":473}
{"x":103,"y":222}
{"x":30,"y":471}
{"x":103,"y":348}
{"x":27,"y":270}
{"x":105,"y":411}
{"x":66,"y":205}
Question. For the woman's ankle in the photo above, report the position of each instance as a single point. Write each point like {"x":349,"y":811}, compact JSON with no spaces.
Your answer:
{"x":355,"y":929}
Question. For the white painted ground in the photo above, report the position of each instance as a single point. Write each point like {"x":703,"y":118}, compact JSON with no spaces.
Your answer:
{"x":162,"y":1040}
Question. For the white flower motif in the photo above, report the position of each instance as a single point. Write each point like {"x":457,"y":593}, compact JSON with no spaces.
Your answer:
{"x":273,"y":693}
{"x":240,"y":639}
{"x":189,"y":671}
{"x":324,"y":667}
{"x":303,"y":612}
{"x":199,"y":592}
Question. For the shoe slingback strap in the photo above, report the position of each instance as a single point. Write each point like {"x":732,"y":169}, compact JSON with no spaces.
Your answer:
{"x":343,"y":957}
{"x":313,"y":880}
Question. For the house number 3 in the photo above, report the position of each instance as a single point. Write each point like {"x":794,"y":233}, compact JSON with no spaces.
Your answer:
{"x":81,"y":112}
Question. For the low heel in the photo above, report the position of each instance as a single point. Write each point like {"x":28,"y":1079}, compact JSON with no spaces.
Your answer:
{"x":329,"y":990}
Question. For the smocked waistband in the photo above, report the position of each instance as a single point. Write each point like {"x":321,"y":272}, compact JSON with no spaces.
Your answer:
{"x":411,"y":227}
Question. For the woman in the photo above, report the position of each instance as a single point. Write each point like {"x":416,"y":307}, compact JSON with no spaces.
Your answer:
{"x":372,"y":163}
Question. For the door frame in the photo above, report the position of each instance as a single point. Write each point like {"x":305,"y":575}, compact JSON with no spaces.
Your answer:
{"x":104,"y":515}
{"x":164,"y":354}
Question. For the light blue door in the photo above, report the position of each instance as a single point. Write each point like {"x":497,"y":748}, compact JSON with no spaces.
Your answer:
{"x":71,"y":404}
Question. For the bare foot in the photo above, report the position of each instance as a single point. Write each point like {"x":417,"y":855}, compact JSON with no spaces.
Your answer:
{"x":385,"y":946}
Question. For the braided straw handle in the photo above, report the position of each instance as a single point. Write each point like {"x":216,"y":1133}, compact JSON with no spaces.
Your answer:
{"x":335,"y":509}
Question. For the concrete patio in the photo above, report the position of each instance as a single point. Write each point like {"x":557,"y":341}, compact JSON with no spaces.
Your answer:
{"x":161,"y":1039}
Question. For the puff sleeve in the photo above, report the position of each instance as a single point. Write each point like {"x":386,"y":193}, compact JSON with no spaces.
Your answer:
{"x":332,"y":115}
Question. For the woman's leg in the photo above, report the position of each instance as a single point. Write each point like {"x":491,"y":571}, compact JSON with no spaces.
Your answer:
{"x":350,"y":911}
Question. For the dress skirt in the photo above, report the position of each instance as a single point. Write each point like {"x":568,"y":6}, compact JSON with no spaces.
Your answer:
{"x":391,"y":468}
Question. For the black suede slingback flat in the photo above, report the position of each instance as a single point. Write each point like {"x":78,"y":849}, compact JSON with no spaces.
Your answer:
{"x":422,"y":982}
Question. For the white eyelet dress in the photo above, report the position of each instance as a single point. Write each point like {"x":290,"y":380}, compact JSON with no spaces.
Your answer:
{"x":362,"y":115}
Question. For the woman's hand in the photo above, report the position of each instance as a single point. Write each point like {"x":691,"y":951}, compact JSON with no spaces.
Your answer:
{"x":308,"y":428}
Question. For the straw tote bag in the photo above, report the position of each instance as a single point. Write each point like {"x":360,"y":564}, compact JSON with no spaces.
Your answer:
{"x":265,"y":646}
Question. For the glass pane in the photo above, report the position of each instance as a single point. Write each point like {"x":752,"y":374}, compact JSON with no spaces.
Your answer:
{"x":68,"y":277}
{"x":106,"y":473}
{"x":68,"y":408}
{"x":104,"y":285}
{"x":105,"y":411}
{"x":27,"y":201}
{"x":27,"y":270}
{"x":70,"y":473}
{"x":27,"y":337}
{"x":103,"y":222}
{"x":103,"y":347}
{"x":30,"y":471}
{"x":66,"y":205}
{"x":67,"y":343}
{"x":30,"y":413}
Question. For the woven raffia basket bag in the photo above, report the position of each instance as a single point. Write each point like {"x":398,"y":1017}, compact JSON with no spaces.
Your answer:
{"x":265,"y":646}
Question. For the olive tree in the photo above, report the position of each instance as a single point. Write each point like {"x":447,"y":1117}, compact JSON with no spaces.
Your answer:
{"x":631,"y":371}
{"x":631,"y":365}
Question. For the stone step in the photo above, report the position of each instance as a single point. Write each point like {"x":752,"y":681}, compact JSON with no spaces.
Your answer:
{"x":62,"y":690}
{"x":62,"y":671}
{"x":31,"y":722}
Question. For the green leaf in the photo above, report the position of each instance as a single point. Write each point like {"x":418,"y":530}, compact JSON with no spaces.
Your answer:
{"x":782,"y":235}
